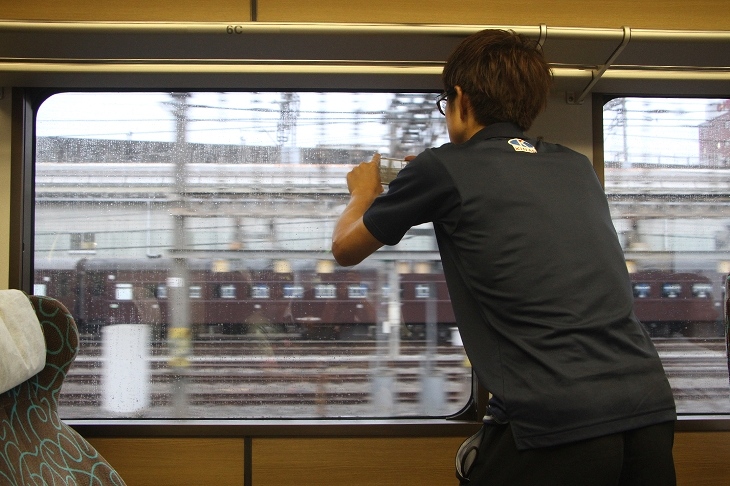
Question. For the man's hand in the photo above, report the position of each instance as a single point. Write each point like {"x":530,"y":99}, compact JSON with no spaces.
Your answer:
{"x":364,"y":179}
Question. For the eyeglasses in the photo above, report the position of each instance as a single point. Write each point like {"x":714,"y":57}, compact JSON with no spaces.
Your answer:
{"x":441,"y":102}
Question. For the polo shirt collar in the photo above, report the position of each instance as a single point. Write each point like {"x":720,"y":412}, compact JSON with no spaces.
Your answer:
{"x":497,"y":130}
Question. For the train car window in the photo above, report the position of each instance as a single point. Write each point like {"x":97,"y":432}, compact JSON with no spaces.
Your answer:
{"x":423,"y":291}
{"x":205,"y":219}
{"x":641,"y":290}
{"x":667,"y":177}
{"x":357,"y":291}
{"x":293,"y":291}
{"x":124,"y":291}
{"x":260,"y":292}
{"x":702,"y":290}
{"x":671,"y":290}
{"x":226,"y":291}
{"x":325,"y":291}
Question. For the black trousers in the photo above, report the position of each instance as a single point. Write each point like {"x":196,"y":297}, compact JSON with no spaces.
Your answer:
{"x":640,"y":457}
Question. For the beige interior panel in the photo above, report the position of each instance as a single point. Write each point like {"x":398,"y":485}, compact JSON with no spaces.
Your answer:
{"x":5,"y":171}
{"x":234,"y":11}
{"x":702,"y":458}
{"x":355,"y":462}
{"x":175,"y":462}
{"x":655,"y":14}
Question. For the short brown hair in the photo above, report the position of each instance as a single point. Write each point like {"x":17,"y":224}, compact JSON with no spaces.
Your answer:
{"x":503,"y":74}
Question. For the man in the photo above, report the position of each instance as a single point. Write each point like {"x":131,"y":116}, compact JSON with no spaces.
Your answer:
{"x":537,"y":280}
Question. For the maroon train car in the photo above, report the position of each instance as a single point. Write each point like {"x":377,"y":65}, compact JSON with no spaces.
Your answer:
{"x":339,"y":304}
{"x":343,"y":303}
{"x":670,"y":303}
{"x":425,"y":299}
{"x":138,"y":291}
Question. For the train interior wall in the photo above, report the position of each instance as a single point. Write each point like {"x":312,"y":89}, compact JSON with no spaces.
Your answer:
{"x":700,"y":459}
{"x":292,"y":461}
{"x":649,"y":14}
{"x":701,"y":456}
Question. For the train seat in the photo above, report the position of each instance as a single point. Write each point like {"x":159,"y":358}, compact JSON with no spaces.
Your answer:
{"x":36,"y":447}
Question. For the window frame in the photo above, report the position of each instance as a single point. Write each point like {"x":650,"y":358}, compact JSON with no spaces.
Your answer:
{"x":25,"y":102}
{"x":686,"y":422}
{"x":459,"y":423}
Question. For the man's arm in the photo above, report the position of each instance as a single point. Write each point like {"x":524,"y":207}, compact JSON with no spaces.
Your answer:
{"x":352,"y":242}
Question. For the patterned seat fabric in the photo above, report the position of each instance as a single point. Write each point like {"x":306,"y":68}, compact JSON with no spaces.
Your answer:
{"x":36,"y":447}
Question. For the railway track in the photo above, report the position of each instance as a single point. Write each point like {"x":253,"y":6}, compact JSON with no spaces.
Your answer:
{"x":244,"y":371}
{"x":240,"y":373}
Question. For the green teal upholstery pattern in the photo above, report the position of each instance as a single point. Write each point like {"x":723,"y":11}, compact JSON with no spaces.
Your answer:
{"x":36,"y":447}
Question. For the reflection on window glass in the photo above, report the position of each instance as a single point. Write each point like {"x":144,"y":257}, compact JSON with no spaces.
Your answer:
{"x":193,"y":230}
{"x":668,"y":182}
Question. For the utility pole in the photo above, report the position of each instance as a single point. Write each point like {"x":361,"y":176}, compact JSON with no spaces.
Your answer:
{"x":179,"y":336}
{"x":286,"y":128}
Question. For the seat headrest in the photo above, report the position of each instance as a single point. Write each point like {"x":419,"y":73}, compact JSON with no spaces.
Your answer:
{"x":22,"y":346}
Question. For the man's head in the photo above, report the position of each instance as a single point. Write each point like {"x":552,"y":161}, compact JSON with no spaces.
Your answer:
{"x":503,"y":75}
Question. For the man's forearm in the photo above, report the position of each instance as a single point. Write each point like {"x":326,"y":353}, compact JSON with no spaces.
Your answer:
{"x":352,"y":242}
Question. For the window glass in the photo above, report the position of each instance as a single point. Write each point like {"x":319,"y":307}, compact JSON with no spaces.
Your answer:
{"x":667,"y":177}
{"x":192,"y":230}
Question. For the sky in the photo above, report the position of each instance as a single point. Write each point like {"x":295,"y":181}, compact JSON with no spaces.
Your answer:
{"x":334,"y":119}
{"x":653,"y":129}
{"x":656,"y":130}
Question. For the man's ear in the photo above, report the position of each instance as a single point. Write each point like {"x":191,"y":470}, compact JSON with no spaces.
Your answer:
{"x":462,"y":102}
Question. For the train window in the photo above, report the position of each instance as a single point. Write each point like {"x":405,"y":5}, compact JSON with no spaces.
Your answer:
{"x":357,"y":291}
{"x":423,"y":291}
{"x":666,"y":176}
{"x":641,"y":290}
{"x":293,"y":291}
{"x":671,"y":290}
{"x":325,"y":291}
{"x":259,"y":291}
{"x":214,"y":212}
{"x":702,"y":290}
{"x":124,"y":291}
{"x":226,"y":291}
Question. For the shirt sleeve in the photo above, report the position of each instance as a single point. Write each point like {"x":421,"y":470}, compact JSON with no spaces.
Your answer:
{"x":423,"y":192}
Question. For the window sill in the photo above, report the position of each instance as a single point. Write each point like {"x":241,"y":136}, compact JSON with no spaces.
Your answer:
{"x":322,"y":428}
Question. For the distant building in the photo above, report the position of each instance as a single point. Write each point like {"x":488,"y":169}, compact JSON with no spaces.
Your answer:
{"x":715,"y":138}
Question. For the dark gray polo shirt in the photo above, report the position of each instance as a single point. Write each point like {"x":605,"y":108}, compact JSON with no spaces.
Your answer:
{"x":538,"y":283}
